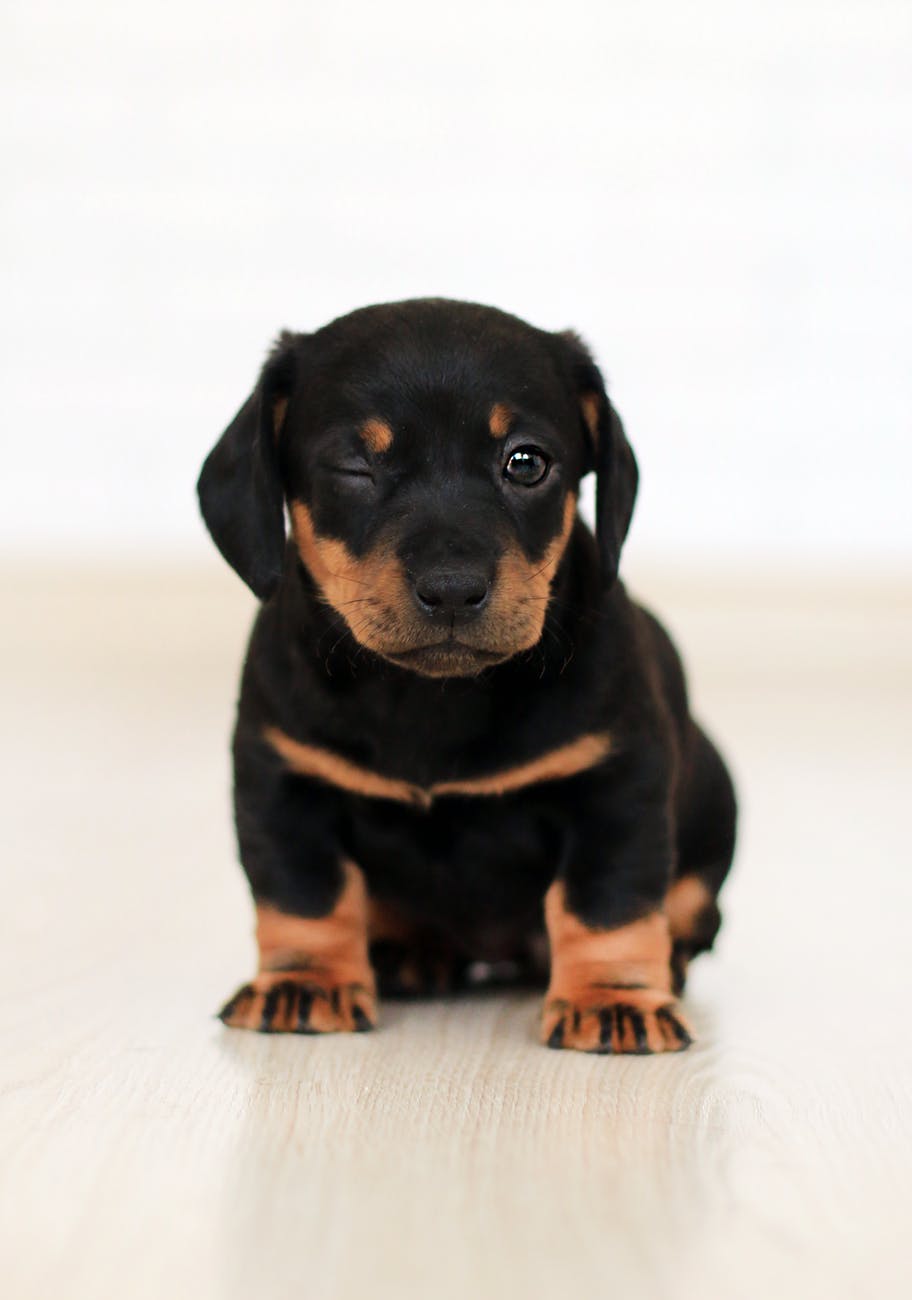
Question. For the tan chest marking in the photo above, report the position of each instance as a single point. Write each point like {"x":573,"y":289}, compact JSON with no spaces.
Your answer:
{"x":311,"y":760}
{"x":557,"y":765}
{"x":554,"y":766}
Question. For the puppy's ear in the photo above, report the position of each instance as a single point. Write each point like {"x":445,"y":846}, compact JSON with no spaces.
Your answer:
{"x":610,"y":454}
{"x":240,"y":489}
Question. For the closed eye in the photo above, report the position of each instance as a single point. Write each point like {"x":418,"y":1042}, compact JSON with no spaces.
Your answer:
{"x":350,"y":469}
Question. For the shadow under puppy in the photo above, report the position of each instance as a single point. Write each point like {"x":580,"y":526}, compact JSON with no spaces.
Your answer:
{"x":451,"y":712}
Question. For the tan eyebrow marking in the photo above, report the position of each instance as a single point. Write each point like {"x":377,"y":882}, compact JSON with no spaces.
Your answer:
{"x":311,"y":760}
{"x":377,"y":434}
{"x":500,"y":419}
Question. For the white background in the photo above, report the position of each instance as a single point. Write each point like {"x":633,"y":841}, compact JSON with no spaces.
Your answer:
{"x":716,"y":194}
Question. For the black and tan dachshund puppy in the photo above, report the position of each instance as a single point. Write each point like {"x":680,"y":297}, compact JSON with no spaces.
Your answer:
{"x":457,"y":735}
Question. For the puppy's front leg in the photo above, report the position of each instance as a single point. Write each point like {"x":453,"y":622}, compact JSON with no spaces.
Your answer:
{"x":610,"y":986}
{"x":314,"y":975}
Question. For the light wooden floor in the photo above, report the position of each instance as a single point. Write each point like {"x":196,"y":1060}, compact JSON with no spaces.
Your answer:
{"x":146,"y":1152}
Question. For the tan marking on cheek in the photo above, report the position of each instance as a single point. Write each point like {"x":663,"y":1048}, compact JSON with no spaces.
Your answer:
{"x":556,"y":550}
{"x":363,"y":590}
{"x":523,"y":588}
{"x":685,"y":902}
{"x":638,"y":953}
{"x":311,"y":760}
{"x":377,"y":435}
{"x":500,"y":420}
{"x":590,"y":404}
{"x":557,"y":765}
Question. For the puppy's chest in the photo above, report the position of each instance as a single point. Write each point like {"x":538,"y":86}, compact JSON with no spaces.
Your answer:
{"x":462,"y":743}
{"x":423,"y":746}
{"x":401,"y":769}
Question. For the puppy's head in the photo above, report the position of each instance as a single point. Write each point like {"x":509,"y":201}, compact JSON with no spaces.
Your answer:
{"x":429,"y":455}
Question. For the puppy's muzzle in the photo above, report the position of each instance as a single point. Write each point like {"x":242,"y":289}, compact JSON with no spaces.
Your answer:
{"x":455,"y":596}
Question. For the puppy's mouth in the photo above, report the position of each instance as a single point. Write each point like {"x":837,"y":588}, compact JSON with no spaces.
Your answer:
{"x":449,"y":658}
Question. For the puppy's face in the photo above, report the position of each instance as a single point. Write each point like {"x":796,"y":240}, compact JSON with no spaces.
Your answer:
{"x":429,"y":455}
{"x":431,"y":477}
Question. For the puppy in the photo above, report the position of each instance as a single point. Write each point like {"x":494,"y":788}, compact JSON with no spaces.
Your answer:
{"x":457,"y":735}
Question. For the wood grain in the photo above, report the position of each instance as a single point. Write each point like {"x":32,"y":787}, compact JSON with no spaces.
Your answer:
{"x":147,"y":1152}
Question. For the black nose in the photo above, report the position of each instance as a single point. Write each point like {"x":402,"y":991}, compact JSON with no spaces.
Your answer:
{"x":452,"y":595}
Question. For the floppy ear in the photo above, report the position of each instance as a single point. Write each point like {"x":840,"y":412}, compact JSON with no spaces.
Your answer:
{"x":611,"y":455}
{"x":240,"y":489}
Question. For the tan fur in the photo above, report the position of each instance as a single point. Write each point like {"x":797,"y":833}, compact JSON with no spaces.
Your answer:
{"x":311,"y":760}
{"x":318,"y":963}
{"x":335,"y":944}
{"x":638,"y":953}
{"x":521,"y":596}
{"x":595,"y":972}
{"x":362,"y":590}
{"x":372,"y":595}
{"x":685,"y":901}
{"x":590,"y":404}
{"x":377,"y":435}
{"x":565,"y":761}
{"x":500,"y":420}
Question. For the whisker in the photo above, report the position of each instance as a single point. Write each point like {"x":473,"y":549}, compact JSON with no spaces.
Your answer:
{"x":346,"y":577}
{"x":358,"y":600}
{"x":547,"y":565}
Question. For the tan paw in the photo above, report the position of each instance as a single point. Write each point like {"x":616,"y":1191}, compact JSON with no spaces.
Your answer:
{"x":615,"y":1019}
{"x":300,"y":1002}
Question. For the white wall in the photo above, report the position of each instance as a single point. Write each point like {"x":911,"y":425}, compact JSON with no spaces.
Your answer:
{"x":716,"y":193}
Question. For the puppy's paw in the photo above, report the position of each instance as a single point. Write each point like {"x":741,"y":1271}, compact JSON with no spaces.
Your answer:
{"x":301,"y":1002}
{"x":615,"y":1019}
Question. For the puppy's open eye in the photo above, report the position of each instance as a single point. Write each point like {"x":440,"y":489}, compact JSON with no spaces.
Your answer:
{"x":527,"y":466}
